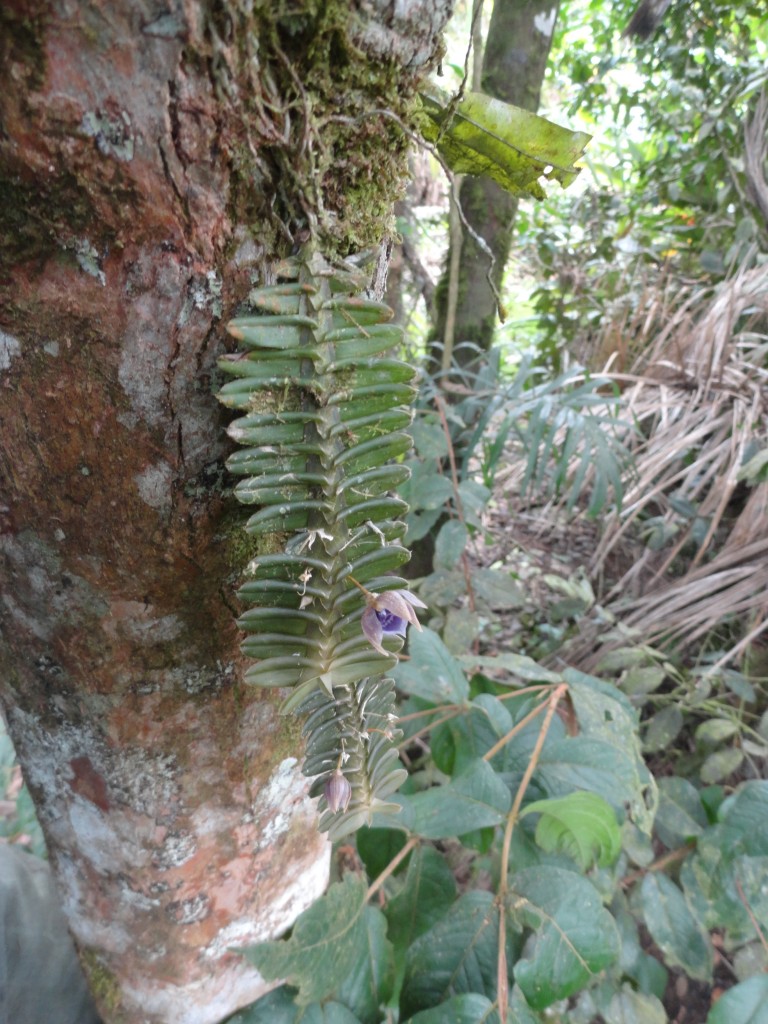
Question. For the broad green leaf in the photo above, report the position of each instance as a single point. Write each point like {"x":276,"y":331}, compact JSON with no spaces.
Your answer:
{"x":750,"y":960}
{"x":718,"y":884}
{"x":377,"y":847}
{"x":450,"y":543}
{"x":675,"y":930}
{"x":519,"y":665}
{"x":429,"y":491}
{"x":716,"y":730}
{"x":662,"y":728}
{"x":429,"y":438}
{"x":743,"y":816}
{"x":280,"y":1007}
{"x":574,"y":937}
{"x":432,"y":671}
{"x":681,"y":814}
{"x":579,"y":763}
{"x":475,"y":799}
{"x":622,"y":658}
{"x":721,"y":764}
{"x":604,"y":712}
{"x":370,"y":976}
{"x":464,"y":739}
{"x":583,"y":825}
{"x":426,"y":896}
{"x":631,"y":1007}
{"x":745,"y":1003}
{"x":325,"y":940}
{"x":443,"y":587}
{"x":466,"y":1009}
{"x":476,"y":1009}
{"x":515,"y":147}
{"x":458,"y":955}
{"x":474,"y":497}
{"x":643,"y":679}
{"x":497,"y":589}
{"x":461,"y":628}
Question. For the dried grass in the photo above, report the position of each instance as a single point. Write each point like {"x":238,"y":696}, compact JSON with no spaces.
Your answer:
{"x":699,"y":397}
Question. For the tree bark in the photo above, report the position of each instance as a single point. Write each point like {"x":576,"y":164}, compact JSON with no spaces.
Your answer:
{"x":141,"y":196}
{"x":514,"y":61}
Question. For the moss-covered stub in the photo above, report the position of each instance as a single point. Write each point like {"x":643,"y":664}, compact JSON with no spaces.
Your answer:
{"x":104,"y":987}
{"x":320,"y":144}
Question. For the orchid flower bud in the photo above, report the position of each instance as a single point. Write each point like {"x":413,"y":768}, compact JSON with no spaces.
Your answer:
{"x":338,"y":792}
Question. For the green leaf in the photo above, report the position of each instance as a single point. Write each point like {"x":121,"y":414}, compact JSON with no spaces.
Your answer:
{"x":583,"y":825}
{"x":458,"y":955}
{"x":681,"y":815}
{"x":377,"y":847}
{"x":429,"y":438}
{"x":515,"y":147}
{"x":643,"y":679}
{"x":475,"y":799}
{"x":574,"y":937}
{"x":497,"y":589}
{"x":464,"y":739}
{"x":426,"y":896}
{"x":450,"y":544}
{"x":721,"y":764}
{"x":716,"y":730}
{"x":662,"y":728}
{"x":579,"y":763}
{"x":604,"y":712}
{"x":369,"y":979}
{"x":519,"y":665}
{"x":427,"y":490}
{"x":631,"y":1007}
{"x":466,"y":1009}
{"x":324,"y":942}
{"x":674,"y":929}
{"x":279,"y":1007}
{"x":432,"y":672}
{"x":745,"y":1003}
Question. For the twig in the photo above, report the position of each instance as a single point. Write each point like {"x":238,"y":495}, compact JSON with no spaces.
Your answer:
{"x":456,"y":239}
{"x":518,"y":727}
{"x":440,"y":405}
{"x":752,"y":918}
{"x":658,"y":865}
{"x":377,"y":883}
{"x":501,"y":966}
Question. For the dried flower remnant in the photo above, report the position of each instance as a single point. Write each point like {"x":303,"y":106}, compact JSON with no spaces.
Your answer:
{"x":390,"y":612}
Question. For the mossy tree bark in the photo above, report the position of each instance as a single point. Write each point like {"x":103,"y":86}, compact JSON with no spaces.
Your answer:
{"x":514,"y":62}
{"x":154,"y":163}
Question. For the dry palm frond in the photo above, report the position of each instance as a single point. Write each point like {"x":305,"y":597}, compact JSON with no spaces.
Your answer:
{"x":756,"y":157}
{"x":699,"y":397}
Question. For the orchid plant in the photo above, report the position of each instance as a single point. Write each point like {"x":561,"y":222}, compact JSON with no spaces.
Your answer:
{"x":323,"y":411}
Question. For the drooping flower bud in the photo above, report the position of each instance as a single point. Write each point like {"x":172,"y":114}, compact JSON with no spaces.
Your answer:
{"x":338,"y":792}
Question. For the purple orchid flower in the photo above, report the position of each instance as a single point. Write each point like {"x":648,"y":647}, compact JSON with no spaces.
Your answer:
{"x":390,"y":612}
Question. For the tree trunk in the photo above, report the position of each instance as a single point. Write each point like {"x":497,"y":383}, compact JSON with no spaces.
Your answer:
{"x":154,"y":162}
{"x":515,"y":59}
